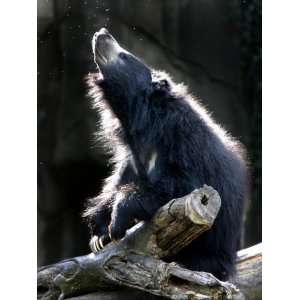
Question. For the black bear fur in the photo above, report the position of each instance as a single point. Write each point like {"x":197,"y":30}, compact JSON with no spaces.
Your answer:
{"x":164,"y":144}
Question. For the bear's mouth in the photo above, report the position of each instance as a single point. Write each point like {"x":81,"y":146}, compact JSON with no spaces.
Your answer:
{"x":106,"y":49}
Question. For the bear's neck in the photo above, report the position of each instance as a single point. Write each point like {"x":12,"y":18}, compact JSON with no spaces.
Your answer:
{"x":131,"y":112}
{"x":132,"y":126}
{"x":122,"y":110}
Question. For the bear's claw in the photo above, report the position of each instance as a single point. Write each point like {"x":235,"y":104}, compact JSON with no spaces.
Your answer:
{"x":95,"y":244}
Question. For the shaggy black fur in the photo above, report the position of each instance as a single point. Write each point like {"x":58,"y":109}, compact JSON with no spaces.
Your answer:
{"x":164,"y":145}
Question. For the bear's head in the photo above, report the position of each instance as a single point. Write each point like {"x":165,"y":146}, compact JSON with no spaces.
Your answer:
{"x":127,"y":75}
{"x":125,"y":83}
{"x":127,"y":87}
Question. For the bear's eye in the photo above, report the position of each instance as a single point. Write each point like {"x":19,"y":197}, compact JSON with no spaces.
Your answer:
{"x":123,"y":55}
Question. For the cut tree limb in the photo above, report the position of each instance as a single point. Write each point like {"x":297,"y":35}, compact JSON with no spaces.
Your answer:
{"x":134,"y":261}
{"x":249,"y":272}
{"x":248,"y":279}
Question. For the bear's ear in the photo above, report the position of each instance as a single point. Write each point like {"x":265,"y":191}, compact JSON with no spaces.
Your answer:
{"x":165,"y":84}
{"x":161,"y":85}
{"x":161,"y":91}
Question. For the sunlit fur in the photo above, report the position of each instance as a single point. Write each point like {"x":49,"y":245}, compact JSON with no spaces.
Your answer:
{"x":191,"y":150}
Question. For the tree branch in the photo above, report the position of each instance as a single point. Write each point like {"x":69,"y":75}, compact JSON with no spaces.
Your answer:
{"x":249,"y":269}
{"x":248,"y":279}
{"x":134,"y":260}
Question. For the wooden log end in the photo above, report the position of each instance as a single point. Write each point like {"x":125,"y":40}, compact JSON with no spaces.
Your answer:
{"x":203,"y":205}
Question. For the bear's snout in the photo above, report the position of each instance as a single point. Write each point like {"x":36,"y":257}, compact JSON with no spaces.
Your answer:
{"x":103,"y":31}
{"x":102,"y":34}
{"x":106,"y":49}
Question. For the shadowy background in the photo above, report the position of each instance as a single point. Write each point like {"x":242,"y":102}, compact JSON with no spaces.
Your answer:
{"x":213,"y":46}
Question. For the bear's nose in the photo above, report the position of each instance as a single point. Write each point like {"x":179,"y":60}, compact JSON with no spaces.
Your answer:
{"x":103,"y":31}
{"x":103,"y":34}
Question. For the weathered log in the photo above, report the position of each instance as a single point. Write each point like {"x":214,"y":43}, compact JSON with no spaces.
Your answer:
{"x":249,"y":272}
{"x":248,"y":279}
{"x":133,"y":261}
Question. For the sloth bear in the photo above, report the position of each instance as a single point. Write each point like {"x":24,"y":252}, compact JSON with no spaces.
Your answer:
{"x":164,"y":144}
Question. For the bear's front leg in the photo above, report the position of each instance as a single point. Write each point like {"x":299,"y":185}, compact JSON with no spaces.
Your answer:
{"x":98,"y":216}
{"x":132,"y":203}
{"x":99,"y":229}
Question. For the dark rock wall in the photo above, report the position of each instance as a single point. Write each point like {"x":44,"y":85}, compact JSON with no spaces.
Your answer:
{"x":212,"y":46}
